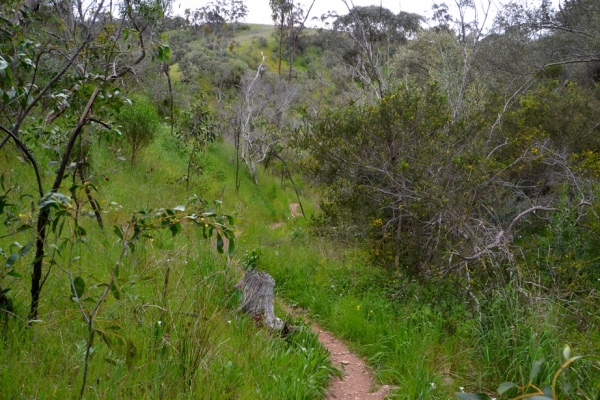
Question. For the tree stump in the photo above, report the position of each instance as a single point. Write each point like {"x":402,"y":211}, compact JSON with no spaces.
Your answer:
{"x":258,"y":300}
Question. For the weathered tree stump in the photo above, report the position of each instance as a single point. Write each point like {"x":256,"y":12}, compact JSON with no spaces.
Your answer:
{"x":258,"y":301}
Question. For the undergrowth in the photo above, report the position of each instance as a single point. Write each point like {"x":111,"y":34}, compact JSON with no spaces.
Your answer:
{"x":175,"y":331}
{"x":171,"y":327}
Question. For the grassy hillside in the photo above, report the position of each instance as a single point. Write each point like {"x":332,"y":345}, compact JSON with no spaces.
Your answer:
{"x":181,"y":335}
{"x":171,"y":329}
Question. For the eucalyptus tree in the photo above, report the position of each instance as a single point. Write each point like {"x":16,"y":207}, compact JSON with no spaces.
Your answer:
{"x":236,"y":12}
{"x":261,"y":116}
{"x":375,"y":33}
{"x":280,"y":11}
{"x":60,"y":75}
{"x":574,"y":41}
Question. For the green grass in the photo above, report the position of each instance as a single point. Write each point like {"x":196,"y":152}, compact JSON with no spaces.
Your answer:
{"x":190,"y":339}
{"x":157,"y":340}
{"x":424,"y":342}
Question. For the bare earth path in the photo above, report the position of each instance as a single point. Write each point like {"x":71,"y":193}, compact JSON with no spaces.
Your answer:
{"x":357,"y":381}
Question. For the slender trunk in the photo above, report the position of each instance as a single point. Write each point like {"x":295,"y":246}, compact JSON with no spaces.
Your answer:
{"x":93,"y":202}
{"x":166,"y":69}
{"x":36,"y":277}
{"x":88,"y":349}
{"x":281,"y":40}
{"x":294,"y":38}
{"x":291,"y":180}
{"x":237,"y":157}
{"x":189,"y":168}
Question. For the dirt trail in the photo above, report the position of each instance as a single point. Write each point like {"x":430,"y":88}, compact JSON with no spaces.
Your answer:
{"x":357,"y":382}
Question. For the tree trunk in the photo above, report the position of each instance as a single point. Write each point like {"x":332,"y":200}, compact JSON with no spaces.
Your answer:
{"x":257,"y":288}
{"x":281,"y":40}
{"x":36,"y":277}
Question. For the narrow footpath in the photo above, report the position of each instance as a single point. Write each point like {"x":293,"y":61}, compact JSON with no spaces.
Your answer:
{"x":357,"y":382}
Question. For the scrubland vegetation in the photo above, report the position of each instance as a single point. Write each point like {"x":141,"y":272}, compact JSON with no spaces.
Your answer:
{"x":446,"y":174}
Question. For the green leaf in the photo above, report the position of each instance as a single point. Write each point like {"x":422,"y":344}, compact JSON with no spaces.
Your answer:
{"x":6,"y":21}
{"x":15,"y":246}
{"x":118,"y":231}
{"x":62,"y":198}
{"x":506,"y":386}
{"x":104,"y":338}
{"x":3,"y":63}
{"x":115,"y":292}
{"x":60,"y":228}
{"x":231,"y":247}
{"x":547,"y":390}
{"x":78,"y":286}
{"x":469,"y":396}
{"x":5,"y":33}
{"x":12,"y":260}
{"x":179,"y":208}
{"x":567,"y":352}
{"x":48,"y":203}
{"x":110,"y":361}
{"x":535,"y":370}
{"x":132,"y":354}
{"x":114,"y":328}
{"x":175,"y":228}
{"x":15,"y":274}
{"x":23,"y":228}
{"x":219,"y":243}
{"x":26,"y":249}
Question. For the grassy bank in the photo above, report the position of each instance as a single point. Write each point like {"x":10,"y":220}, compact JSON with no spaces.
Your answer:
{"x":170,"y":327}
{"x":174,"y":331}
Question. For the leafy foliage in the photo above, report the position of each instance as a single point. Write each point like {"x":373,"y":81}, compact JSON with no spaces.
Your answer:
{"x":139,"y":123}
{"x":547,"y":391}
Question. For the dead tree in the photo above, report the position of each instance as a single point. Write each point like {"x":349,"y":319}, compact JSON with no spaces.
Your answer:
{"x":258,"y":301}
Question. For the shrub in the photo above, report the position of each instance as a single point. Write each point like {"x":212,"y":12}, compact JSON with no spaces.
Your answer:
{"x":263,"y":42}
{"x":139,"y":124}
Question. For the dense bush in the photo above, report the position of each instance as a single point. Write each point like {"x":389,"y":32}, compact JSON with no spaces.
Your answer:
{"x":139,"y":124}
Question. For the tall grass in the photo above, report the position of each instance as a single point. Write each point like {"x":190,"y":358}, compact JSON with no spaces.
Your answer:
{"x":182,"y":337}
{"x":174,"y":330}
{"x":424,"y":341}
